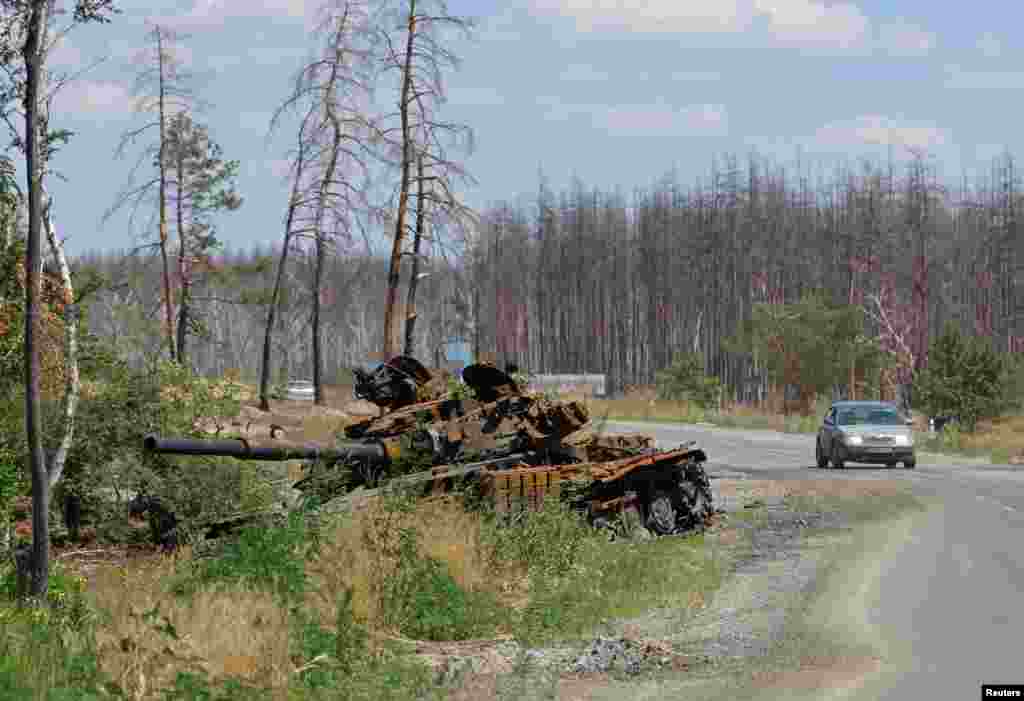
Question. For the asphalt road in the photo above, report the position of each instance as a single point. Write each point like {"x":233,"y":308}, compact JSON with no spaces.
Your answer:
{"x":945,"y":594}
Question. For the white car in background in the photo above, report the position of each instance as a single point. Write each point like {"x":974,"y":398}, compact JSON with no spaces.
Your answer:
{"x":300,"y":390}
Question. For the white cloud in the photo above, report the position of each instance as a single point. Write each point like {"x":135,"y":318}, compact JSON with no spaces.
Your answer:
{"x":656,"y":16}
{"x":904,"y":39}
{"x":990,"y":46}
{"x":880,"y":130}
{"x":92,"y":97}
{"x":657,"y":119}
{"x":807,"y":22}
{"x":815,"y":24}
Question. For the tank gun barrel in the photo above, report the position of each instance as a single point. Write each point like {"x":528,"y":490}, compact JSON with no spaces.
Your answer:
{"x":243,"y":449}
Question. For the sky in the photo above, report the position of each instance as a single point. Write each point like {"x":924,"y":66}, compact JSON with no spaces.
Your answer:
{"x":617,"y":93}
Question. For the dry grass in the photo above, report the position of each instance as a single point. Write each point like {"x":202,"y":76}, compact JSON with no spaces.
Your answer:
{"x":245,"y":633}
{"x":445,"y":531}
{"x":1003,"y":435}
{"x":146,"y":635}
{"x":641,"y":404}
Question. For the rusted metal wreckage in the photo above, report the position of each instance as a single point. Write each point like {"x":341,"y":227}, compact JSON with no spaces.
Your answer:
{"x":514,"y":447}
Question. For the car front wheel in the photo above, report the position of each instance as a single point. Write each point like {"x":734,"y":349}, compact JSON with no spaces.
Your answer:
{"x":819,"y":457}
{"x":910,"y":464}
{"x":837,"y":461}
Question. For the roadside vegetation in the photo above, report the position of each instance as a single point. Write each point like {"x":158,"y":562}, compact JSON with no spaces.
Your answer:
{"x":299,"y":605}
{"x":328,"y":607}
{"x":966,"y":378}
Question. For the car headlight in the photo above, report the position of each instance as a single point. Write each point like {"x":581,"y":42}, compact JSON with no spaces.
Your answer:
{"x":853,"y":440}
{"x":904,"y":440}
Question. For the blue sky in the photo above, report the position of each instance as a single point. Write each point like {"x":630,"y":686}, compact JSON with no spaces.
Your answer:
{"x":616,"y":92}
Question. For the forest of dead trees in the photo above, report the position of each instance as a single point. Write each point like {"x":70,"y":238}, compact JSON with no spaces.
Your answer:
{"x":611,"y":282}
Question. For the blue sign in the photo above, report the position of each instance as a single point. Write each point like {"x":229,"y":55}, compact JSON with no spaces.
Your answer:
{"x":457,"y":353}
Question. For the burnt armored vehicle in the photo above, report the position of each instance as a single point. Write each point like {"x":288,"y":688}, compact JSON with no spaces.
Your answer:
{"x":515,"y":447}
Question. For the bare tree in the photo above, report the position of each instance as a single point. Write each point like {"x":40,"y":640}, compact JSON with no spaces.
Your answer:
{"x":417,"y":53}
{"x":161,"y":88}
{"x":414,"y":278}
{"x":334,"y":91}
{"x":294,"y":202}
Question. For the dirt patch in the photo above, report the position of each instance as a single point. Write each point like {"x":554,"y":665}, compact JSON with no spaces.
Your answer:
{"x":581,"y":687}
{"x":820,"y":673}
{"x":824,"y":487}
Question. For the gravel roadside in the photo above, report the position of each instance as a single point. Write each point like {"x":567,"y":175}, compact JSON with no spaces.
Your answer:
{"x":772,"y":555}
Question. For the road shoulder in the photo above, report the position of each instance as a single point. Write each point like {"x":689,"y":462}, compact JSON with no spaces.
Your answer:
{"x":788,"y":621}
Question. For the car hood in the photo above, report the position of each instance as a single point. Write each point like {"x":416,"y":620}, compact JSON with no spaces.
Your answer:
{"x":872,"y":429}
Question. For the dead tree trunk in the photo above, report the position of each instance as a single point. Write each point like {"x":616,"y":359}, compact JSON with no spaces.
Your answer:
{"x":421,"y":214}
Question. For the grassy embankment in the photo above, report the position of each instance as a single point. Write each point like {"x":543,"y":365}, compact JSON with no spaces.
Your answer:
{"x":1000,"y":440}
{"x":811,"y":652}
{"x":330,"y":608}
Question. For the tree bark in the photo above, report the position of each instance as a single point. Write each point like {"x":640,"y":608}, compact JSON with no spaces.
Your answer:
{"x":168,"y":301}
{"x":183,"y":305}
{"x":421,"y":205}
{"x":403,"y":194}
{"x":276,"y":294}
{"x":32,"y":53}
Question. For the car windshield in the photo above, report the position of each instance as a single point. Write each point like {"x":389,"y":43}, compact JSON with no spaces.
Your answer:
{"x":875,"y":416}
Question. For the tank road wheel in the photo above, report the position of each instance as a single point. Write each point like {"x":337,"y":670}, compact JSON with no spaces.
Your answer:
{"x":662,"y":513}
{"x":695,"y":489}
{"x":602,"y":523}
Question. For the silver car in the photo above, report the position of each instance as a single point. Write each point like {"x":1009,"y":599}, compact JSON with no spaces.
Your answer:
{"x":300,"y":390}
{"x":866,"y":432}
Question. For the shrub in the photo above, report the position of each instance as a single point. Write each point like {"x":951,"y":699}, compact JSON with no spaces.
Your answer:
{"x":416,"y":593}
{"x":964,"y":377}
{"x":272,"y":557}
{"x":423,"y":601}
{"x":547,"y":542}
{"x":685,"y":379}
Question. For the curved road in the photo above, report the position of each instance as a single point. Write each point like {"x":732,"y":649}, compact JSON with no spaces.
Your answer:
{"x":946,"y":599}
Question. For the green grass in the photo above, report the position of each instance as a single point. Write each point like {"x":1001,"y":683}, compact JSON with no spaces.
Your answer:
{"x":578,"y":580}
{"x":619,"y":581}
{"x":165,"y":635}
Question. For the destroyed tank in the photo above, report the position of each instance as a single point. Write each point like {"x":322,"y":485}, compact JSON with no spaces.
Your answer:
{"x":513,"y":447}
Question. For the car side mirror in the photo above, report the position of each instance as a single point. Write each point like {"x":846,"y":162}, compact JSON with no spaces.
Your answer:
{"x":909,"y":422}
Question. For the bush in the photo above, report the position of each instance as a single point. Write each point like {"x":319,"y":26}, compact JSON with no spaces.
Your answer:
{"x":685,"y":380}
{"x":272,"y":557}
{"x":547,"y":542}
{"x":417,"y":593}
{"x":67,"y":606}
{"x":965,"y":377}
{"x":424,"y":602}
